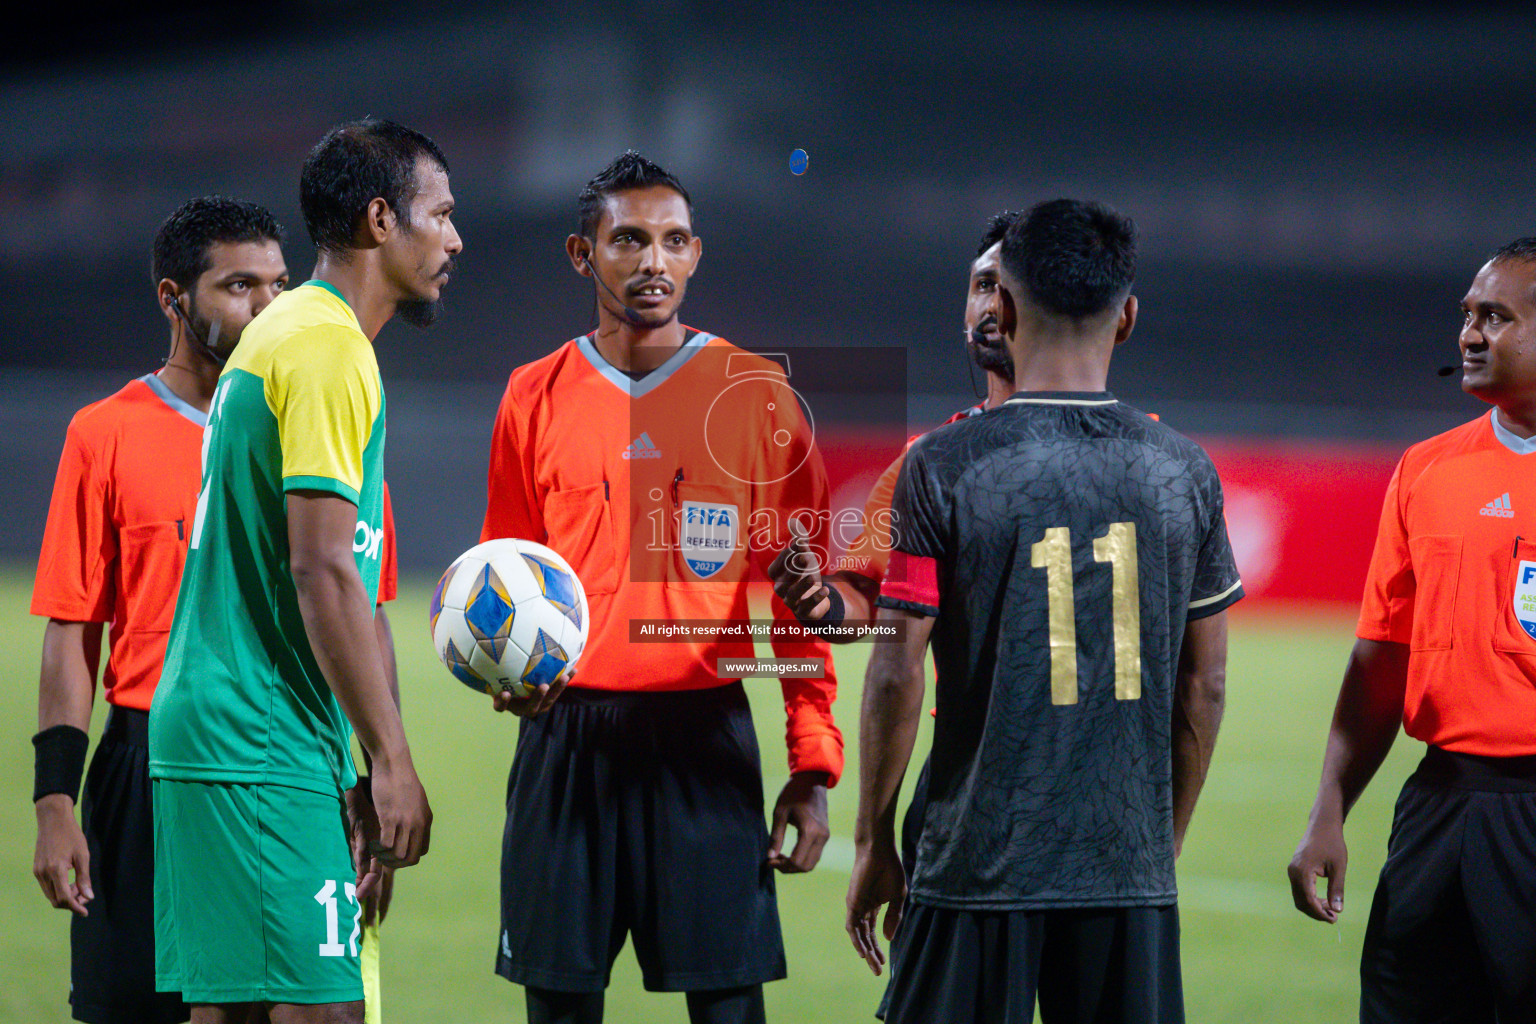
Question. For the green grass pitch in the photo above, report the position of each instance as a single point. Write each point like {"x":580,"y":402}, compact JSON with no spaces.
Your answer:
{"x":1248,"y":956}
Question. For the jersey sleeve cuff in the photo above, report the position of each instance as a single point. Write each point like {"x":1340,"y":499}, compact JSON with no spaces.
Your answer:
{"x":1205,"y":607}
{"x":321,"y":483}
{"x":915,"y":607}
{"x":817,"y":753}
{"x":911,"y":584}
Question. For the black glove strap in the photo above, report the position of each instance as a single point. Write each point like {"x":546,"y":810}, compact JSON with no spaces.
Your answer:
{"x":834,"y":616}
{"x":60,"y":761}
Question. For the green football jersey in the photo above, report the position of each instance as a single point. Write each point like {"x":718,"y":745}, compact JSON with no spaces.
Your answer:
{"x":300,"y":406}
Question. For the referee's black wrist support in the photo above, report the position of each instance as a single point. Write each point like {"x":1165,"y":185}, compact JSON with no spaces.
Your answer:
{"x":834,"y":616}
{"x":60,"y":762}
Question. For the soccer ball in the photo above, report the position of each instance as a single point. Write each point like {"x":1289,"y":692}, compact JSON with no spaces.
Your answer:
{"x":509,"y":615}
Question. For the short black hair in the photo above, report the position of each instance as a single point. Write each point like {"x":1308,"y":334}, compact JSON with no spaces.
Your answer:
{"x":628,"y":171}
{"x":1076,"y":258}
{"x":997,"y":227}
{"x":182,"y":243}
{"x":354,"y":164}
{"x":1519,"y":249}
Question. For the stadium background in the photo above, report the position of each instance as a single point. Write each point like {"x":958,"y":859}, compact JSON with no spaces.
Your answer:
{"x":1314,"y":188}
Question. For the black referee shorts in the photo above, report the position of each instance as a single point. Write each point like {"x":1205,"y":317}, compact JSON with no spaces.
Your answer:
{"x":1452,"y":933}
{"x":1117,"y":965}
{"x":112,"y":951}
{"x":638,"y":814}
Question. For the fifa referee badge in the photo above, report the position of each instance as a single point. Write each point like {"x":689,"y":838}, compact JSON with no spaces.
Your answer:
{"x":799,"y":162}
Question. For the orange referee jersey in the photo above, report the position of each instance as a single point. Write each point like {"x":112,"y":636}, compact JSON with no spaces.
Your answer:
{"x":665,"y":495}
{"x":116,"y":537}
{"x":1453,"y":576}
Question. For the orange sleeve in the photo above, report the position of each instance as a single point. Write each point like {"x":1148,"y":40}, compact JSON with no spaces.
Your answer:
{"x":512,"y":508}
{"x":812,"y":737}
{"x":75,"y":568}
{"x":1386,"y":610}
{"x":389,"y":562}
{"x":870,"y":552}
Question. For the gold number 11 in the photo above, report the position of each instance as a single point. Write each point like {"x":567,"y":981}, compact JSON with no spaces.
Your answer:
{"x":1053,"y":553}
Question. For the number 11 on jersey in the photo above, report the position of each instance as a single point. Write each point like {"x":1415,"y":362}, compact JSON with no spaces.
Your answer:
{"x":1053,"y":553}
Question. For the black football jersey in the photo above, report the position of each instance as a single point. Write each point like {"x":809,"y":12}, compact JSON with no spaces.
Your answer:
{"x":1074,"y":537}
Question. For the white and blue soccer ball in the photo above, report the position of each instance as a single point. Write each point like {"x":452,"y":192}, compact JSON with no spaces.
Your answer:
{"x":509,"y":615}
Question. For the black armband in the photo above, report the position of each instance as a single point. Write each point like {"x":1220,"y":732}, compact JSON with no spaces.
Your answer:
{"x":834,"y":616}
{"x":60,"y":762}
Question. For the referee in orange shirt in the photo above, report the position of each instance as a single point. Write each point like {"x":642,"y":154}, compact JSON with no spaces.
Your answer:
{"x":662,"y":462}
{"x":1447,"y":645}
{"x":112,"y":554}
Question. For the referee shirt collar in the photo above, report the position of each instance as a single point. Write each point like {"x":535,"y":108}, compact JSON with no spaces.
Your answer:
{"x":1508,"y":438}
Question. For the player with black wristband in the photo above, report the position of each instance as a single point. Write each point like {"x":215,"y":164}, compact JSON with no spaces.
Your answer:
{"x":112,"y":554}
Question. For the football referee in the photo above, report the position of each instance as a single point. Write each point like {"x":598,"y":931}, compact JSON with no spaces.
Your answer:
{"x":1447,"y":645}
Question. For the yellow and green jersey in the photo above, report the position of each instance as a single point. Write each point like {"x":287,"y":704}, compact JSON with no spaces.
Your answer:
{"x":300,"y":407}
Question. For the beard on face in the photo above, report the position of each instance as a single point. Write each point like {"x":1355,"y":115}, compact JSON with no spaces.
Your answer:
{"x":419,"y":312}
{"x":210,"y":335}
{"x":991,"y":356}
{"x":424,"y":312}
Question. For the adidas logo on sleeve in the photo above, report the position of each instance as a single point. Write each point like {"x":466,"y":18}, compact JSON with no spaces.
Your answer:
{"x":643,"y":447}
{"x":1498,"y":507}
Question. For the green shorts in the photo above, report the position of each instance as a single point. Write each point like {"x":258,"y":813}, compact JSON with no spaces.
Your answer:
{"x":254,"y":895}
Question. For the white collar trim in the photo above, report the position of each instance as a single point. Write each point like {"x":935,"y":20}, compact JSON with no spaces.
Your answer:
{"x":1509,"y":439}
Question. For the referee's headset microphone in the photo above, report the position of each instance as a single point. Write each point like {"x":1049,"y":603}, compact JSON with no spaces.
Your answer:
{"x":634,"y":318}
{"x":205,"y":344}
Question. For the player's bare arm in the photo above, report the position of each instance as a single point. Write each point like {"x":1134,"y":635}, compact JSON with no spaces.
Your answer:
{"x":66,"y":688}
{"x":339,"y":620}
{"x":893,"y":706}
{"x":1199,"y":698}
{"x":363,"y":820}
{"x":1365,"y":722}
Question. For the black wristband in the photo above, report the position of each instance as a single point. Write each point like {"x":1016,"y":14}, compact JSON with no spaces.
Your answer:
{"x":60,"y":762}
{"x":834,"y":616}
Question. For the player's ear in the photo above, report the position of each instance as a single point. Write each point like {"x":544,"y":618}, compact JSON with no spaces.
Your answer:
{"x":579,"y":250}
{"x":1127,"y":322}
{"x":378,"y":220}
{"x":167,"y":295}
{"x":697,"y":248}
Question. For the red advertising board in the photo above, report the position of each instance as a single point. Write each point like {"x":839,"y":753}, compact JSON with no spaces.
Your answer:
{"x":1302,"y":515}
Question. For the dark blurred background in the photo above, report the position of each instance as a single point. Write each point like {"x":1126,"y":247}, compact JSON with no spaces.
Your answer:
{"x":1315,"y":189}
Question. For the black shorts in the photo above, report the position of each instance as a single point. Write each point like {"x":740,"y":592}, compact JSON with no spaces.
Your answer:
{"x":1106,"y":965}
{"x":639,"y":814}
{"x":112,"y":961}
{"x":1452,"y":933}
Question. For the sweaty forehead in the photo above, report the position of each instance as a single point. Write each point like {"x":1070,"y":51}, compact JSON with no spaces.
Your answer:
{"x":1510,"y":282}
{"x":655,"y":208}
{"x":431,"y":184}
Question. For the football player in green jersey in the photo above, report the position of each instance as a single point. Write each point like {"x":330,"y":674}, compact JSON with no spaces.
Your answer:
{"x":272,"y":661}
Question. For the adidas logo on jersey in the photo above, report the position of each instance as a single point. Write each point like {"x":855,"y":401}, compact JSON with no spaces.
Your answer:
{"x":642,"y":447}
{"x":1498,"y":507}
